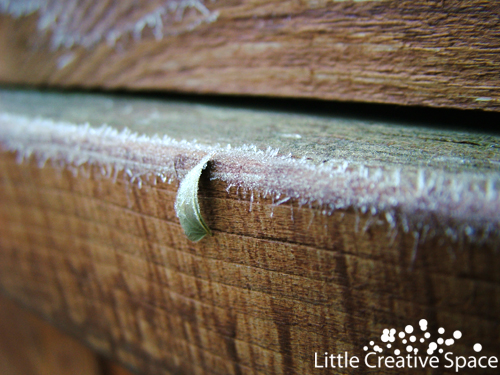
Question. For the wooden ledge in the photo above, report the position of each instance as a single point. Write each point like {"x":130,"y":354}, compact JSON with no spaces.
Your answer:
{"x":104,"y":257}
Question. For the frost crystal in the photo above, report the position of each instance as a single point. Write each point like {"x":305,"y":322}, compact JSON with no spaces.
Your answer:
{"x":67,"y":22}
{"x":463,"y":205}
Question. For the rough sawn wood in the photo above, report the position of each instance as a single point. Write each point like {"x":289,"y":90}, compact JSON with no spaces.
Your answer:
{"x":278,"y":281}
{"x":432,"y":53}
{"x":111,"y":264}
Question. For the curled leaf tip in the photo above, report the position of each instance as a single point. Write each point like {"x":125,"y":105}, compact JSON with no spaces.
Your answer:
{"x":187,"y":207}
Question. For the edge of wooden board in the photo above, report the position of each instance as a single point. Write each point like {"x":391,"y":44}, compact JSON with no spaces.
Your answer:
{"x":427,"y":53}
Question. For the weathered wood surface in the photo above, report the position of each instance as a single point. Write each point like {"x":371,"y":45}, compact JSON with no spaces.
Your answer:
{"x":432,"y":53}
{"x":30,"y":346}
{"x":259,"y":297}
{"x":108,"y":261}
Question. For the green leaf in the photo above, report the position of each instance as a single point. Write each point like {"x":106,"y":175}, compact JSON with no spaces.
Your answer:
{"x":187,"y":206}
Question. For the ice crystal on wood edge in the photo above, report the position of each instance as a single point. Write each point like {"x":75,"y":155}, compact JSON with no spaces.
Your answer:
{"x":64,"y":19}
{"x":421,"y":202}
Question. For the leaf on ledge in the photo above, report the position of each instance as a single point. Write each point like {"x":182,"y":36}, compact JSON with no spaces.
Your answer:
{"x":187,"y":206}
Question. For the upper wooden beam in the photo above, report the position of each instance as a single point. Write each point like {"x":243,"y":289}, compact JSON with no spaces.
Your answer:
{"x":431,"y":53}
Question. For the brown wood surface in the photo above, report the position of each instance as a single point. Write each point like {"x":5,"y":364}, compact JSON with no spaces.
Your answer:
{"x":30,"y":346}
{"x":110,"y":263}
{"x":433,"y":53}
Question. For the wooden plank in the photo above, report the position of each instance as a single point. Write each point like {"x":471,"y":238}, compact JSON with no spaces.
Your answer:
{"x":30,"y":346}
{"x":414,"y":52}
{"x":104,"y":256}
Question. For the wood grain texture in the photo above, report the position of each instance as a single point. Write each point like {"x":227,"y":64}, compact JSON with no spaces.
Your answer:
{"x":432,"y":181}
{"x":431,"y":53}
{"x":109,"y":262}
{"x":102,"y":256}
{"x":30,"y":346}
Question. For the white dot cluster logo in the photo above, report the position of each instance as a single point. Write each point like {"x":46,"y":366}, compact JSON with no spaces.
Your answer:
{"x":409,"y":337}
{"x":411,"y":348}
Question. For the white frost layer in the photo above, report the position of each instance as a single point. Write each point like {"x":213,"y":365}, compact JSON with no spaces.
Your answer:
{"x":64,"y":19}
{"x":424,"y":202}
